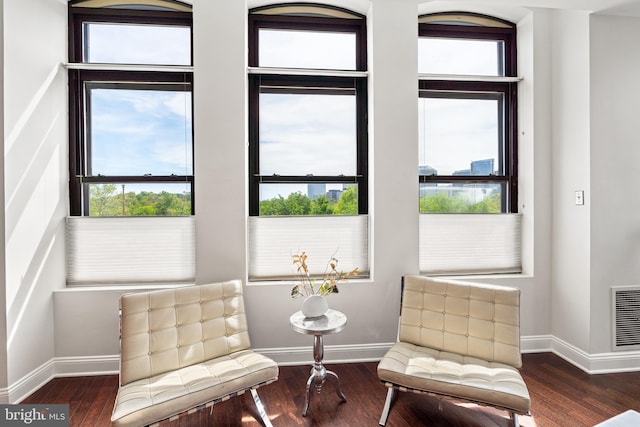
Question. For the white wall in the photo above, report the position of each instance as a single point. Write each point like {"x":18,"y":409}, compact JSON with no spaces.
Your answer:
{"x":4,"y":382}
{"x":35,"y":179}
{"x":570,"y":299}
{"x":615,"y":166}
{"x":534,"y":186}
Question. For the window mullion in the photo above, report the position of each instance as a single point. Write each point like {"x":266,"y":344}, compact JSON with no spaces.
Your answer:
{"x":127,"y":67}
{"x":426,"y":77}
{"x":305,"y":72}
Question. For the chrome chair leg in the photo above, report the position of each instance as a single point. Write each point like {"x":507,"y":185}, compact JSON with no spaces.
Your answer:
{"x":387,"y":406}
{"x":263,"y":414}
{"x":514,"y":419}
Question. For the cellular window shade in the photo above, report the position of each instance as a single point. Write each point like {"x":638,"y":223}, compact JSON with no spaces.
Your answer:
{"x":470,"y":243}
{"x":272,"y":241}
{"x":130,"y":250}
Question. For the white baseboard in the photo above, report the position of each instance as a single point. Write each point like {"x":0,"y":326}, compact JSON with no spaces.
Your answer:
{"x":86,"y":366}
{"x":29,"y":383}
{"x":109,"y":364}
{"x":536,"y":344}
{"x":332,"y":353}
{"x":59,"y":367}
{"x":599,"y":363}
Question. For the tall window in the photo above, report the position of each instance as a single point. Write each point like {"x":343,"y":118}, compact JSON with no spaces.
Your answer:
{"x":307,"y":121}
{"x":130,"y":143}
{"x":307,"y":135}
{"x":468,"y":145}
{"x":467,"y":113}
{"x":130,"y":108}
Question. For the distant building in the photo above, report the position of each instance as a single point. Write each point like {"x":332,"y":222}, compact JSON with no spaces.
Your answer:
{"x":482,"y":167}
{"x":471,"y":192}
{"x":426,"y":170}
{"x":463,"y":172}
{"x":478,"y":167}
{"x":316,"y":190}
{"x":334,"y":195}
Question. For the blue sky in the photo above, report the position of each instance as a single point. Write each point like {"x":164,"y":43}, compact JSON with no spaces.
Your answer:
{"x":139,"y":131}
{"x":134,"y":131}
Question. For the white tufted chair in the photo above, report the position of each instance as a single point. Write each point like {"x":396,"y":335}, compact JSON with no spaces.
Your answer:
{"x":185,"y":348}
{"x":457,"y":339}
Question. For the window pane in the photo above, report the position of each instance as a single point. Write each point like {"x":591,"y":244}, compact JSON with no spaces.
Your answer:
{"x":307,"y":49}
{"x":148,"y":199}
{"x":460,"y":136}
{"x":460,"y":56}
{"x":461,"y":198}
{"x":137,"y":44}
{"x":302,"y":134}
{"x":139,"y":132}
{"x":308,"y":199}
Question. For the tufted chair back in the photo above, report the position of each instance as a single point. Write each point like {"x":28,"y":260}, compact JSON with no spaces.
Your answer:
{"x":479,"y":321}
{"x":168,"y":329}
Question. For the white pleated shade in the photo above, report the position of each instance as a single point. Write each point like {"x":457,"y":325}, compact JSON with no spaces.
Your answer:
{"x":130,"y":250}
{"x":272,"y":241}
{"x":470,"y":243}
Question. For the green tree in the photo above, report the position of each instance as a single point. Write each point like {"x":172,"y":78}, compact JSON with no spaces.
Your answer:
{"x":272,"y":207}
{"x":106,"y":200}
{"x":165,"y":204}
{"x":145,"y":210}
{"x":298,"y":204}
{"x":348,"y":203}
{"x":443,"y":203}
{"x":103,"y":200}
{"x":436,"y":203}
{"x":321,"y":206}
{"x":490,"y":204}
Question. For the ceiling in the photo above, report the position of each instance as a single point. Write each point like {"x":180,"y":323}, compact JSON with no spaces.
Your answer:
{"x":607,"y":7}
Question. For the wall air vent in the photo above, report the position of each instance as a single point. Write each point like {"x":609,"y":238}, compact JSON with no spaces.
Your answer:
{"x":626,"y":317}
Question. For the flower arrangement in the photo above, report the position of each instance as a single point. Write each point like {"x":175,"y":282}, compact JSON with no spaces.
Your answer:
{"x":326,"y":285}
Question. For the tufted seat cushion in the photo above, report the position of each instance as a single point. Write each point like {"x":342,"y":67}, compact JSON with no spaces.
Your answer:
{"x":457,"y":339}
{"x":183,"y":348}
{"x":145,"y":401}
{"x":420,"y":368}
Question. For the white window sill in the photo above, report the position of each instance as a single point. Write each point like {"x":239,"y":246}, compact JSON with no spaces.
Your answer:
{"x":122,"y":287}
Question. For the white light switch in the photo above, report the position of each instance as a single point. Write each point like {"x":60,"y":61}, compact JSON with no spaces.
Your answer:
{"x":580,"y":197}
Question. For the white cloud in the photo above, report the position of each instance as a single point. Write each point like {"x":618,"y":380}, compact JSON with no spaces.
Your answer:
{"x":455,"y":132}
{"x":307,"y":49}
{"x":302,"y":134}
{"x":139,"y":44}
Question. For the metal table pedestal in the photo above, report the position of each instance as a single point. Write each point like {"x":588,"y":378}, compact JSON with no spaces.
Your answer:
{"x":332,"y":322}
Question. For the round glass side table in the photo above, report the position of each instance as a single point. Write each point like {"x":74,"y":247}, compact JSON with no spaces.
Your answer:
{"x":331,"y":322}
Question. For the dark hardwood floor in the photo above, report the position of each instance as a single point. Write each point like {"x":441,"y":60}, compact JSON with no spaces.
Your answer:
{"x":561,"y":394}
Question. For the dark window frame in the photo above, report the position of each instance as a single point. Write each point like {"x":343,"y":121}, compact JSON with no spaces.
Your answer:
{"x":79,"y":144}
{"x":296,"y":83}
{"x":508,"y":148}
